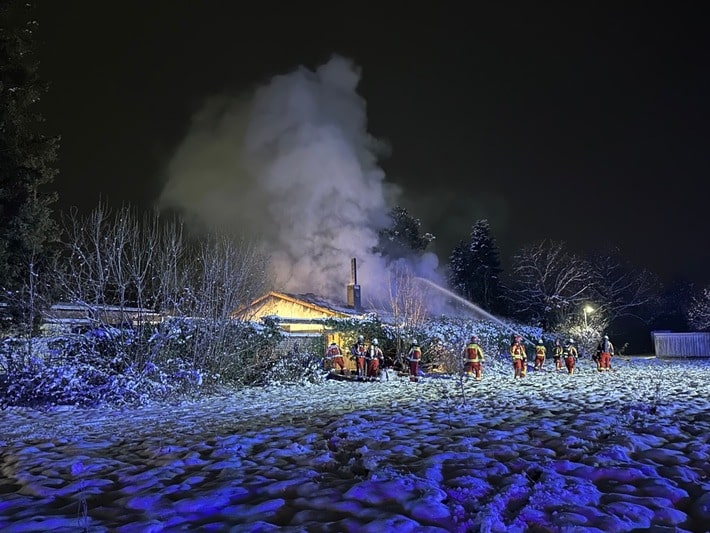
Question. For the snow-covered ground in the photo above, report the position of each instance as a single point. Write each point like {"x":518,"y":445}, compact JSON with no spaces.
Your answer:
{"x":551,"y":452}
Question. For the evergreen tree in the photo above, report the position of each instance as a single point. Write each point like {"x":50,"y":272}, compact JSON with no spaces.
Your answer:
{"x":27,"y":156}
{"x":403,"y":238}
{"x":474,"y":269}
{"x":458,"y":270}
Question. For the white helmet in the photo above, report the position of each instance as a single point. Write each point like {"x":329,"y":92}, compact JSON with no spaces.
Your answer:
{"x":539,"y":341}
{"x":606,"y":337}
{"x":360,"y":338}
{"x":571,"y":341}
{"x":374,"y":341}
{"x":415,"y":342}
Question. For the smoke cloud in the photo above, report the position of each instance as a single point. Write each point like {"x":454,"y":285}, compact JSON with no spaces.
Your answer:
{"x":294,"y":167}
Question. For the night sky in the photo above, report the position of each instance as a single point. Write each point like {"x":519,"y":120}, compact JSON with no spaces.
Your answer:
{"x":580,"y":122}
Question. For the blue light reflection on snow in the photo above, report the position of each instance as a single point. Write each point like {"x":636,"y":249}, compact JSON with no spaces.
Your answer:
{"x":600,"y":452}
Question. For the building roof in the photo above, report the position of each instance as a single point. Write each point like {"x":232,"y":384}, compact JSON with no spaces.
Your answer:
{"x":308,"y":300}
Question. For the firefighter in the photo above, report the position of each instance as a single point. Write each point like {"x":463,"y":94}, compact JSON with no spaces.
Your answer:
{"x":372,"y":359}
{"x":520,"y":358}
{"x":570,"y":355}
{"x":357,"y":354}
{"x":334,"y":358}
{"x":414,"y":356}
{"x":540,"y":353}
{"x":597,"y":356}
{"x":473,"y":357}
{"x":606,"y":352}
{"x":557,"y":355}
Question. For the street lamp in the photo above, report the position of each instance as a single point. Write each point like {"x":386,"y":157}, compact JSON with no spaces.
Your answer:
{"x":587,"y":309}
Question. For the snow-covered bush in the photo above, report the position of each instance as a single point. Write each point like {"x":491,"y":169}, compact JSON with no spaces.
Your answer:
{"x":296,"y":366}
{"x":235,"y":351}
{"x":370,"y":327}
{"x":193,"y":356}
{"x":135,"y":364}
{"x":443,"y":340}
{"x":90,"y":369}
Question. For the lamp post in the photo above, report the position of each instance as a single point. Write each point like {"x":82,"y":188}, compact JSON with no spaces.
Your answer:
{"x":587,"y":309}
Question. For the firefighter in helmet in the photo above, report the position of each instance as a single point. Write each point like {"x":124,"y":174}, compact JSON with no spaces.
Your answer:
{"x":373,"y":359}
{"x":334,"y":358}
{"x":357,"y":354}
{"x":570,"y":354}
{"x":540,"y":354}
{"x":473,"y":357}
{"x":557,"y":352}
{"x":606,"y":352}
{"x":414,"y":356}
{"x":520,"y":357}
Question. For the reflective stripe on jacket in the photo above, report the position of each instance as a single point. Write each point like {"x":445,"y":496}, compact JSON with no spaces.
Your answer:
{"x":518,"y":351}
{"x":374,"y":353}
{"x":474,"y":353}
{"x":333,"y":351}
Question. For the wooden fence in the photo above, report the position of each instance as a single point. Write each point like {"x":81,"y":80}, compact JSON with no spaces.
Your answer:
{"x":668,"y":344}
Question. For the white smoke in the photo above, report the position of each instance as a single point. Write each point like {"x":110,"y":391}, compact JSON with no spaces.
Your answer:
{"x":295,"y":167}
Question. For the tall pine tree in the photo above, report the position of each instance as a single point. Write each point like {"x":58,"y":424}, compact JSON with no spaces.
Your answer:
{"x":403,"y":238}
{"x":27,"y":159}
{"x":27,"y":156}
{"x":474,"y":269}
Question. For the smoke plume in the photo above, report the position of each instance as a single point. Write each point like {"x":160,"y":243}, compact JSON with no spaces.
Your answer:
{"x":293,"y":166}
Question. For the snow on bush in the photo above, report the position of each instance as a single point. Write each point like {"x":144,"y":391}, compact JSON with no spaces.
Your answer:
{"x":182,"y":356}
{"x":131,"y":365}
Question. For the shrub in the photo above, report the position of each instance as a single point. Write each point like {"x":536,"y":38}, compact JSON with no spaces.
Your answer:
{"x":90,"y":369}
{"x":296,"y":366}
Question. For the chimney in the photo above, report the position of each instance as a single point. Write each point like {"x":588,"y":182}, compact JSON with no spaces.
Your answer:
{"x":354,"y":300}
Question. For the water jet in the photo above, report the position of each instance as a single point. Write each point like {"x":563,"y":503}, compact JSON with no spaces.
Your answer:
{"x":472,"y":306}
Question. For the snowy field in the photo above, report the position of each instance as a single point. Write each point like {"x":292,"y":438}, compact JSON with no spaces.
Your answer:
{"x":620,"y":451}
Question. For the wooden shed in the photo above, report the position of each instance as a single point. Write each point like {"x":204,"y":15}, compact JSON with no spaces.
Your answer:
{"x":299,"y":315}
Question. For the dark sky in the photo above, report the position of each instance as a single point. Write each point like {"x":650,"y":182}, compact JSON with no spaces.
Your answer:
{"x":585,"y":122}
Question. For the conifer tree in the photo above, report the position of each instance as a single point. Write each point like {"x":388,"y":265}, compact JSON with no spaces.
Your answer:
{"x":27,"y":156}
{"x":403,"y":238}
{"x":474,"y":269}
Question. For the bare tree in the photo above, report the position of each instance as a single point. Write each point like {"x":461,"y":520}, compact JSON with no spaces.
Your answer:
{"x":620,"y":290}
{"x":407,"y":300}
{"x":551,"y":284}
{"x":117,"y":236}
{"x":113,"y":258}
{"x":578,"y":296}
{"x":22,"y":311}
{"x":109,"y":260}
{"x":83,"y":275}
{"x":175,"y":269}
{"x":224,"y":274}
{"x":699,"y":310}
{"x":141,"y":259}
